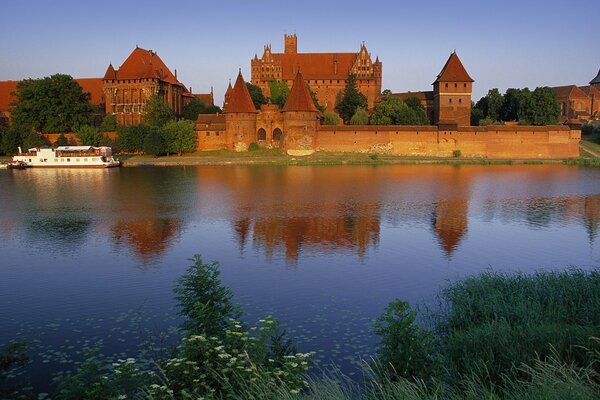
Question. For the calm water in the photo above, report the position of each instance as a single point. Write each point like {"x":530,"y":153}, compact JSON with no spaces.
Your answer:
{"x":91,"y":256}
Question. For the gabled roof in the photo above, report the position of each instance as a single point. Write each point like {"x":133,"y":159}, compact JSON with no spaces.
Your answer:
{"x":315,"y":65}
{"x":143,"y":63}
{"x":299,"y":98}
{"x":596,"y":80}
{"x":110,"y":73}
{"x":569,"y":92}
{"x":240,"y":100}
{"x":206,"y":98}
{"x":453,"y":71}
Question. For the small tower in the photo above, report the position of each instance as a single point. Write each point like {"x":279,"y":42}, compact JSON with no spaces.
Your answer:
{"x":596,"y":81}
{"x":452,"y":94}
{"x":290,"y":44}
{"x":300,"y":120}
{"x":227,"y":96}
{"x":240,"y":117}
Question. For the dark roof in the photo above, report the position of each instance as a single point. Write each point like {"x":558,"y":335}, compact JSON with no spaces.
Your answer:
{"x":240,"y":100}
{"x":453,"y":71}
{"x":299,"y":98}
{"x":596,"y":80}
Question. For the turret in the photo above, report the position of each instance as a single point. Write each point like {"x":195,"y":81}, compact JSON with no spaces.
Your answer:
{"x":452,"y":94}
{"x":290,"y":44}
{"x":596,"y":81}
{"x":240,"y":117}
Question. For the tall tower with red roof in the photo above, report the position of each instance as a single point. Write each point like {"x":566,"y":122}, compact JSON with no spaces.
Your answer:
{"x":452,"y":94}
{"x":240,"y":117}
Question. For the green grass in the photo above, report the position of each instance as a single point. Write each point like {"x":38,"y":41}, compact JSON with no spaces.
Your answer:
{"x":593,"y":145}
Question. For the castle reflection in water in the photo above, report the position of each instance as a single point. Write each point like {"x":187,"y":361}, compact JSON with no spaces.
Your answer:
{"x":291,"y":211}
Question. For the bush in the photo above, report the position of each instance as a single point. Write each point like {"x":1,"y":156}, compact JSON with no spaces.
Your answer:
{"x":109,"y":123}
{"x":154,"y":143}
{"x":360,"y":117}
{"x":405,"y":350}
{"x":89,"y":136}
{"x":130,"y":139}
{"x":180,"y":136}
{"x":253,"y":146}
{"x":330,"y":118}
{"x":374,"y":157}
{"x":457,"y":153}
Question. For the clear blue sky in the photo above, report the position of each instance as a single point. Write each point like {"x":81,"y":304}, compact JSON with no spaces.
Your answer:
{"x":501,"y":43}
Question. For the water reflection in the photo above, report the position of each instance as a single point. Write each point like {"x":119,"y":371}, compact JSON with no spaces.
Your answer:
{"x":147,"y":238}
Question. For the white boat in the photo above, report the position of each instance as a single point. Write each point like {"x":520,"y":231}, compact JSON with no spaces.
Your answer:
{"x":68,"y":157}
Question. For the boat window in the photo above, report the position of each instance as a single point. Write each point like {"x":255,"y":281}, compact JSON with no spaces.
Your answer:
{"x":68,"y":160}
{"x":77,"y":159}
{"x":85,"y":159}
{"x":56,"y":160}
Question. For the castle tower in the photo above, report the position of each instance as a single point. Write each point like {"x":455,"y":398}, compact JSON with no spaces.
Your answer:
{"x":240,"y":117}
{"x":300,"y":120}
{"x":596,"y":81}
{"x":227,"y":96}
{"x":290,"y":44}
{"x":452,"y":94}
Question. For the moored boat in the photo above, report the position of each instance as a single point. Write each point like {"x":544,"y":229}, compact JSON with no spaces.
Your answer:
{"x":68,"y":157}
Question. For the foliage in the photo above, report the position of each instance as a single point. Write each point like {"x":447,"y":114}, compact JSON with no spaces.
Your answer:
{"x":3,"y":132}
{"x":13,"y":138}
{"x":61,"y":141}
{"x":350,"y":100}
{"x":497,"y":322}
{"x":405,"y":349}
{"x":394,"y":111}
{"x":360,"y":117}
{"x":13,"y":357}
{"x":279,"y":92}
{"x":256,"y":94}
{"x":487,"y":121}
{"x":157,"y":112}
{"x":180,"y":136}
{"x":386,"y":92}
{"x":197,"y":106}
{"x":330,"y":118}
{"x":374,"y":157}
{"x":154,"y":143}
{"x":89,"y":136}
{"x":109,"y":123}
{"x":52,"y":104}
{"x":130,"y":139}
{"x":540,"y":108}
{"x":420,"y":116}
{"x":31,"y":140}
{"x":457,"y":153}
{"x":313,"y":96}
{"x":253,"y":146}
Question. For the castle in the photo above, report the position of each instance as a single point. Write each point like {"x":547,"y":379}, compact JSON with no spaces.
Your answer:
{"x":579,"y":102}
{"x":325,"y":73}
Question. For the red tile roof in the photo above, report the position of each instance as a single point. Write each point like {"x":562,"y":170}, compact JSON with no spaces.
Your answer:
{"x":240,"y":100}
{"x":299,"y":98}
{"x":143,"y":63}
{"x":453,"y":71}
{"x":110,"y":73}
{"x":6,"y":88}
{"x":315,"y":65}
{"x":206,"y":98}
{"x":569,"y":92}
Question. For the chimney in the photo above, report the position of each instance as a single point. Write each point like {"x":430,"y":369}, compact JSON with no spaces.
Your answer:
{"x":190,"y":90}
{"x":175,"y":73}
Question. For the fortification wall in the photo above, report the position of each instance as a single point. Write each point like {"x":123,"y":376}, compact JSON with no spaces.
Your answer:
{"x":428,"y":141}
{"x":211,"y":140}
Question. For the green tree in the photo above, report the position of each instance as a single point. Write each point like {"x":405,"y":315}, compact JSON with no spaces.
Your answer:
{"x":52,"y":104}
{"x":394,"y":111}
{"x":196,"y":107}
{"x":313,"y":96}
{"x":154,"y":143}
{"x":477,"y":114}
{"x":360,"y":117}
{"x":494,"y":104}
{"x":31,"y":140}
{"x":3,"y":131}
{"x":510,"y":105}
{"x":419,"y":111}
{"x":89,"y":136}
{"x":256,"y":94}
{"x":61,"y":141}
{"x":12,"y":138}
{"x":330,"y":118}
{"x":279,"y":92}
{"x":157,"y":112}
{"x":540,"y":107}
{"x":351,"y":100}
{"x":386,"y":92}
{"x":181,"y":136}
{"x":109,"y":123}
{"x":130,"y":139}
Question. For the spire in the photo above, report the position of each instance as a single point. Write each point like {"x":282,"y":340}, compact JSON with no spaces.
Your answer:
{"x":596,"y":80}
{"x":110,"y":73}
{"x":299,"y":98}
{"x":240,"y":100}
{"x":453,"y":71}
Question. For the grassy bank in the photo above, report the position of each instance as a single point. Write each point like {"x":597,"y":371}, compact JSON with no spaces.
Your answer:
{"x":494,"y":336}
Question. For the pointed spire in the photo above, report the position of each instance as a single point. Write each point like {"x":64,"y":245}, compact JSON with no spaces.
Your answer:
{"x":299,"y":98}
{"x":110,"y":73}
{"x":240,"y":100}
{"x":453,"y":71}
{"x":596,"y":80}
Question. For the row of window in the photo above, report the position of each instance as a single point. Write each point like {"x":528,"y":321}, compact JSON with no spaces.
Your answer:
{"x":455,"y":85}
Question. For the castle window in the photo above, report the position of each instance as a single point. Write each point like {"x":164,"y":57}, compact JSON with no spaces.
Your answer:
{"x":579,"y":106}
{"x":207,"y":133}
{"x":450,"y":100}
{"x":460,"y":100}
{"x":465,"y":85}
{"x":446,"y":86}
{"x":455,"y":85}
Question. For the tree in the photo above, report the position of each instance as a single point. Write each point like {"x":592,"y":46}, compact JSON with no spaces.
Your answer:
{"x":386,"y":92}
{"x":330,"y":118}
{"x":52,"y":104}
{"x":109,"y":123}
{"x":418,"y":109}
{"x":181,"y":136}
{"x":256,"y":94}
{"x":540,"y":107}
{"x":279,"y":92}
{"x":494,"y":104}
{"x":3,"y":131}
{"x":313,"y":96}
{"x":130,"y":139}
{"x":61,"y":141}
{"x":351,"y":100}
{"x":153,"y":142}
{"x":13,"y":138}
{"x":31,"y":140}
{"x":89,"y":136}
{"x":360,"y":117}
{"x":394,"y":111}
{"x":157,"y":112}
{"x":196,"y":107}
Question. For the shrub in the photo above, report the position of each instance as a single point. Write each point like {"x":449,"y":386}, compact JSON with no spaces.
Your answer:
{"x":89,"y":136}
{"x":154,"y":143}
{"x":109,"y":123}
{"x":180,"y":136}
{"x":457,"y":153}
{"x":253,"y":146}
{"x":374,"y":157}
{"x":360,"y":117}
{"x":330,"y":118}
{"x":405,"y":349}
